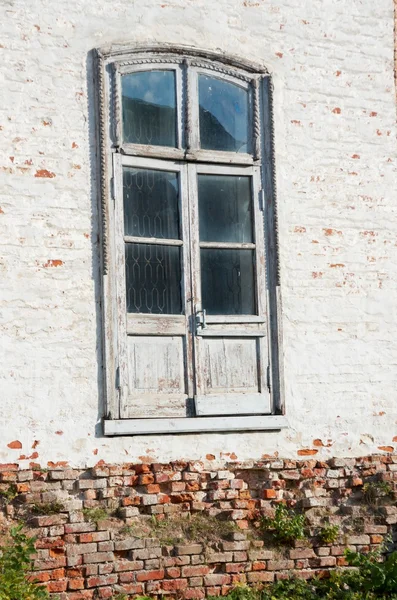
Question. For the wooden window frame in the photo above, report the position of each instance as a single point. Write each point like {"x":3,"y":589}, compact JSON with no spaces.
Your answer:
{"x":111,"y":64}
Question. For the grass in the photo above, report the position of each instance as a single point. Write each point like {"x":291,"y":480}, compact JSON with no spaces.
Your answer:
{"x":95,"y":514}
{"x":9,"y":493}
{"x":46,"y":508}
{"x":180,"y":529}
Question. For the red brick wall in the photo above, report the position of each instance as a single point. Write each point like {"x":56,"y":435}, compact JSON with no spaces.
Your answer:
{"x":79,"y":559}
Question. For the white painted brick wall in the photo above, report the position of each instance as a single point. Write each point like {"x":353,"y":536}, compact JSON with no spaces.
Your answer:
{"x":336,"y":163}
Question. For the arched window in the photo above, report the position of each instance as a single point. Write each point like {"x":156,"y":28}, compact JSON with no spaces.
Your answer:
{"x":190,"y":302}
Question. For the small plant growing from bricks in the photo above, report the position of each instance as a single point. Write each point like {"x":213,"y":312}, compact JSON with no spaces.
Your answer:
{"x":374,"y":490}
{"x":286,"y":526}
{"x":9,"y":493}
{"x":329,"y":534}
{"x":95,"y":514}
{"x":15,"y":565}
{"x":46,"y":508}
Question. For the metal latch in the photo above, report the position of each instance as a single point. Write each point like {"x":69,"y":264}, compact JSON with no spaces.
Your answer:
{"x":200,"y":319}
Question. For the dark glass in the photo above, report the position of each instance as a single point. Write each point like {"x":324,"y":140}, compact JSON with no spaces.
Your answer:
{"x":225,"y":208}
{"x":223,"y":114}
{"x":149,"y":108}
{"x":227,"y":281}
{"x":153,"y":279}
{"x":151,"y":203}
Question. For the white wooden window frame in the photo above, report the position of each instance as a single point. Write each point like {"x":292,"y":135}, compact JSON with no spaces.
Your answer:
{"x":209,"y":156}
{"x":112,"y":63}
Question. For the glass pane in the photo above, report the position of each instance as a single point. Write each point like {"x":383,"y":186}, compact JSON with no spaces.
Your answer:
{"x":153,"y":279}
{"x":149,"y":108}
{"x":223,"y":112}
{"x":227,"y":281}
{"x":225,"y":208}
{"x":151,"y":203}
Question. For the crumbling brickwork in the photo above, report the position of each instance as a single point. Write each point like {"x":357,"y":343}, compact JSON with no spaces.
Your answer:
{"x":83,"y":559}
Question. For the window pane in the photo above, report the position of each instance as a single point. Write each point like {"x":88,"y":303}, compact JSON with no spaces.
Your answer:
{"x":225,"y":208}
{"x":153,"y":279}
{"x":227,"y":282}
{"x":149,"y":108}
{"x":151,"y":203}
{"x":223,"y":112}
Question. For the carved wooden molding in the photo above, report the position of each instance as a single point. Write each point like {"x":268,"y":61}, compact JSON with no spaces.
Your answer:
{"x":186,"y":99}
{"x":257,"y":120}
{"x":102,"y":124}
{"x":274,"y":183}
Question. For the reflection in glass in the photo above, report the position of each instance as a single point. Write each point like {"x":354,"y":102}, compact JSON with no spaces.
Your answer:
{"x":151,"y":200}
{"x":225,"y":207}
{"x":227,"y":281}
{"x":149,"y":108}
{"x":153,"y":279}
{"x":223,"y":113}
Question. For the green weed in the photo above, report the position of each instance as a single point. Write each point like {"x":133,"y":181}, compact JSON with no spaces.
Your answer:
{"x":286,"y":526}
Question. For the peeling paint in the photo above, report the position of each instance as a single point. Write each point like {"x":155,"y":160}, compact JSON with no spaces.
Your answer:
{"x":44,"y":173}
{"x":15,"y":445}
{"x":53,"y":263}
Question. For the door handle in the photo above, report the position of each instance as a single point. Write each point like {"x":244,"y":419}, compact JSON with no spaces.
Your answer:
{"x":200,"y":320}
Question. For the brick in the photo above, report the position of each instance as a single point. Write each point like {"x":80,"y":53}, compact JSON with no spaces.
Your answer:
{"x":260,"y":554}
{"x":128,"y":544}
{"x":327,"y":561}
{"x":150,"y":575}
{"x":236,"y":567}
{"x":94,"y":536}
{"x":104,"y":569}
{"x":219,"y":557}
{"x":174,"y":585}
{"x":52,"y":563}
{"x":216,"y":579}
{"x":81,"y":595}
{"x":81,"y":548}
{"x":280,"y":565}
{"x":105,"y":592}
{"x":194,"y":594}
{"x":94,"y":484}
{"x":358,"y":540}
{"x":269,"y":494}
{"x":57,"y":586}
{"x":102,"y":580}
{"x":128,"y":565}
{"x":79,"y":527}
{"x":189,"y":549}
{"x":195,"y":571}
{"x":375,"y":529}
{"x":97,"y":557}
{"x":301,"y":553}
{"x":47,"y":521}
{"x":145,"y":554}
{"x":260,"y":577}
{"x":105,"y":546}
{"x":235,"y":546}
{"x":76,"y":583}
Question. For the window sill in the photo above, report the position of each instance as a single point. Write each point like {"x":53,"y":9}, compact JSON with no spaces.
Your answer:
{"x":193,"y":425}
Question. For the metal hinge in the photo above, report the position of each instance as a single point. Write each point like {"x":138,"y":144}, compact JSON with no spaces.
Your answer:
{"x":261,"y":200}
{"x":269,"y":387}
{"x":112,"y":192}
{"x":117,"y":379}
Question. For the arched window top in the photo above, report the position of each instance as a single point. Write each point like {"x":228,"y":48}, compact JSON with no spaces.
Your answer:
{"x":183,"y":104}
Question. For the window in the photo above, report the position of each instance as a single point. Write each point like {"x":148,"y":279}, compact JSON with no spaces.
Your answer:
{"x":190,"y":293}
